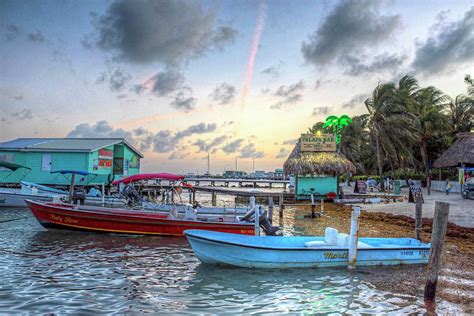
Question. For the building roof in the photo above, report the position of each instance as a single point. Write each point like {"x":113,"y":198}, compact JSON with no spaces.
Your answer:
{"x":316,"y":163}
{"x":63,"y":144}
{"x":461,"y":151}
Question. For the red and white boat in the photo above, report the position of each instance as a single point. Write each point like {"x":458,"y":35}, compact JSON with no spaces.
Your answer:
{"x":101,"y":219}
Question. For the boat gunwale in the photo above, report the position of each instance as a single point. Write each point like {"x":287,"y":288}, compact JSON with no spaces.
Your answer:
{"x":301,"y":248}
{"x":139,"y":219}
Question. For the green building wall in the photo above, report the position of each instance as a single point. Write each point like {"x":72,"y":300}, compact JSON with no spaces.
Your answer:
{"x":320,"y":184}
{"x":83,"y":161}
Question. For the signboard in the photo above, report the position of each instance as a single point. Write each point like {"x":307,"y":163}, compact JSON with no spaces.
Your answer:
{"x":105,"y":154}
{"x":105,"y":164}
{"x":360,"y":187}
{"x":415,"y":189}
{"x":322,"y":142}
{"x":125,"y":167}
{"x":461,"y":176}
{"x":134,"y":162}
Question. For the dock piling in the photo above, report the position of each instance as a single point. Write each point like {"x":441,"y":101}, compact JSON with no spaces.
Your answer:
{"x":103,"y":194}
{"x":438,"y":233}
{"x":214,"y":199}
{"x":418,"y":216}
{"x":313,"y":207}
{"x":280,"y":204}
{"x":270,"y":208}
{"x":353,"y":238}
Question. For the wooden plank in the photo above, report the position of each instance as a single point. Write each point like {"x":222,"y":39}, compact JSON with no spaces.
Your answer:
{"x":418,"y":216}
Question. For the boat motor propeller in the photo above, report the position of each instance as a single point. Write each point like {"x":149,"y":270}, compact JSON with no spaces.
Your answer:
{"x":264,"y":222}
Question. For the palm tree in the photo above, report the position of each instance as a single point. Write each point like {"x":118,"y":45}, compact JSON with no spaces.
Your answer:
{"x":379,"y":107}
{"x":355,"y":143}
{"x":337,"y":124}
{"x":429,"y":121}
{"x":461,"y":114}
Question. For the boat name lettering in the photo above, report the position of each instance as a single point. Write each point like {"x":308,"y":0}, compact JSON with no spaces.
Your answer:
{"x":424,"y":253}
{"x":2,"y":201}
{"x":66,"y":219}
{"x":246,"y":231}
{"x":336,"y":255}
{"x":407,"y":253}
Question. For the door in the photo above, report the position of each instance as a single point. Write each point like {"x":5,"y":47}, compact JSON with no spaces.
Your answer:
{"x":118,"y":166}
{"x":46,"y":162}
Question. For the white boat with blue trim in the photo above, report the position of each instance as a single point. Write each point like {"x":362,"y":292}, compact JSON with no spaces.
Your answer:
{"x":331,"y":250}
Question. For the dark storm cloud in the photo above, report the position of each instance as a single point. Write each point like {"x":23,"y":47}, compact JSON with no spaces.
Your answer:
{"x":355,"y":66}
{"x":223,"y":94}
{"x":283,"y":153}
{"x":288,"y":94}
{"x":183,"y":100}
{"x":18,"y":97}
{"x":206,"y":146}
{"x":321,"y":110}
{"x":249,"y":151}
{"x":349,"y":28}
{"x":169,"y":32}
{"x":356,"y":100}
{"x":36,"y":37}
{"x":232,"y":147}
{"x":449,"y":44}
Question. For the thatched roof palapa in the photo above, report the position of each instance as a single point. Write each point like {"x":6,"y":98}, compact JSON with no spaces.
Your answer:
{"x":316,"y":163}
{"x":461,"y":151}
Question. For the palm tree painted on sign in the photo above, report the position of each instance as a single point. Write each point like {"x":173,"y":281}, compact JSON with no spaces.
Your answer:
{"x":337,"y":124}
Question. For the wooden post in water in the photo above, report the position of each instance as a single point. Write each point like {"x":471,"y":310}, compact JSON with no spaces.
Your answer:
{"x":353,"y":238}
{"x":438,"y":232}
{"x":71,"y":188}
{"x":418,"y":216}
{"x":194,"y":196}
{"x":322,"y":205}
{"x":214,"y":199}
{"x":270,"y":208}
{"x":280,"y":204}
{"x":190,"y":192}
{"x":313,"y":206}
{"x":103,"y":194}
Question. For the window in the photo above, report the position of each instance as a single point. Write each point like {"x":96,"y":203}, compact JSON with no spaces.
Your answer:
{"x":6,"y":158}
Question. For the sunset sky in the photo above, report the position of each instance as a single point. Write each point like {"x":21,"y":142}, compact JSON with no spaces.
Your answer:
{"x":240,"y":79}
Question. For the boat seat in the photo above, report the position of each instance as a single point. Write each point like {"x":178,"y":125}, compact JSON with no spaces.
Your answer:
{"x":330,"y":236}
{"x":343,"y":240}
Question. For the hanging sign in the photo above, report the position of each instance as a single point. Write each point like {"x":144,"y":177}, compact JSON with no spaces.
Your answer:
{"x":321,"y":142}
{"x":360,"y":187}
{"x":105,"y":154}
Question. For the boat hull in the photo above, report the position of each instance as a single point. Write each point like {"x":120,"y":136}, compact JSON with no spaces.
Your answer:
{"x":17,"y":199}
{"x":67,"y":216}
{"x":219,"y":250}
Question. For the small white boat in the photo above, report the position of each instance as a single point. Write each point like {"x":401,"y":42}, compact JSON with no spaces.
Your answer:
{"x":331,"y":250}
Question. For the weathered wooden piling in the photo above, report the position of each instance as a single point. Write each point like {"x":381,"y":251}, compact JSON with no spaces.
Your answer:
{"x":353,"y":238}
{"x":418,"y":216}
{"x":280,"y":204}
{"x":214,"y":199}
{"x":440,"y":224}
{"x":313,"y":207}
{"x":270,"y":208}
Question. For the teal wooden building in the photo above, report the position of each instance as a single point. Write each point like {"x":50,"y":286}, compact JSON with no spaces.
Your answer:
{"x":108,"y":158}
{"x":316,"y":172}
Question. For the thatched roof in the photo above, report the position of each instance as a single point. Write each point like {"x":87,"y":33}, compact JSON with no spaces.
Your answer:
{"x":316,"y":163}
{"x":462,"y":151}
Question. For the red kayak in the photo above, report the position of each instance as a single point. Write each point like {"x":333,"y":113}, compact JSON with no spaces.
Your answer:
{"x":101,"y":219}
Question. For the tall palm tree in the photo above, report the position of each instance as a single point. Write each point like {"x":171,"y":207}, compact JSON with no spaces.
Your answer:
{"x":430,"y":121}
{"x":379,"y":106}
{"x":355,"y":142}
{"x":461,"y":114}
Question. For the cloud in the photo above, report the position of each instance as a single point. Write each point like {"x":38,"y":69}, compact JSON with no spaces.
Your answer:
{"x":118,"y":80}
{"x":272,"y":71}
{"x":449,"y":44}
{"x":37,"y":37}
{"x":166,"y":82}
{"x":206,"y":146}
{"x":183,"y":100}
{"x":249,"y":151}
{"x":321,"y":110}
{"x":223,"y":94}
{"x":383,"y":62}
{"x":18,"y":97}
{"x":232,"y":147}
{"x":21,"y":115}
{"x":349,"y":29}
{"x":163,"y":141}
{"x":290,"y":141}
{"x":288,"y":94}
{"x":178,"y":155}
{"x":11,"y":31}
{"x":283,"y":153}
{"x":356,"y":100}
{"x":149,"y":31}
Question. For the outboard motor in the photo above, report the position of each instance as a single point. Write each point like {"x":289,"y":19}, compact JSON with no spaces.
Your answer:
{"x":264,"y":223}
{"x":131,"y":195}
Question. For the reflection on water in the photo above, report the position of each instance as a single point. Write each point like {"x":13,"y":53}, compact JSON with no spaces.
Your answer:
{"x":73,"y":272}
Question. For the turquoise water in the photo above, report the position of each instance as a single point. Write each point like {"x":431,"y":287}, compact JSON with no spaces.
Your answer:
{"x":75,"y":272}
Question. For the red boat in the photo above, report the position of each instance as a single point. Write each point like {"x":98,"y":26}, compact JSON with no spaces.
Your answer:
{"x":101,"y":219}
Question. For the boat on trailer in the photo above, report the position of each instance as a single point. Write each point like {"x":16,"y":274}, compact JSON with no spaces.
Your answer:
{"x":331,"y":250}
{"x":113,"y":220}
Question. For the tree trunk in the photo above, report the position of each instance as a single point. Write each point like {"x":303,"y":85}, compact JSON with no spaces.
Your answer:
{"x":424,"y":156}
{"x":379,"y":158}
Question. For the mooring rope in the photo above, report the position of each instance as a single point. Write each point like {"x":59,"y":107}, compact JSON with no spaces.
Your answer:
{"x":12,"y":219}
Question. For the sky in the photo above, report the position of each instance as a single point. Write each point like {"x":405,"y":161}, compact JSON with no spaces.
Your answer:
{"x":238,"y":80}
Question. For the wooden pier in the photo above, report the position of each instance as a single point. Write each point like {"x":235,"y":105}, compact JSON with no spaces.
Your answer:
{"x":227,"y":182}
